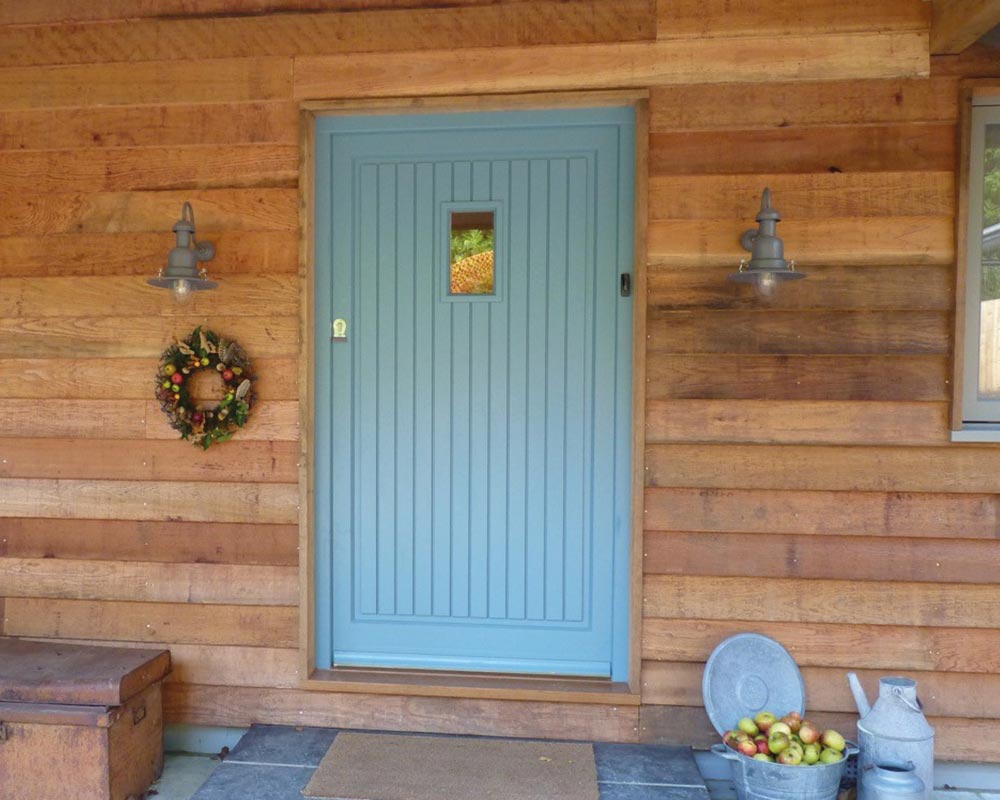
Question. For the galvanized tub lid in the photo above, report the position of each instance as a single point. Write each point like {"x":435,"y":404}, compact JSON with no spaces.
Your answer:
{"x":748,"y":673}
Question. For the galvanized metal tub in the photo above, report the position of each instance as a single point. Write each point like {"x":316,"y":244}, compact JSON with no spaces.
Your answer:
{"x":764,"y":780}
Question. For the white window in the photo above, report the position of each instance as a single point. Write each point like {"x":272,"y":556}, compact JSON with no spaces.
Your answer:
{"x":980,"y":362}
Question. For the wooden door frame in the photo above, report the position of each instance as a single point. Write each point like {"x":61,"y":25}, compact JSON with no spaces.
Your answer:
{"x":463,"y":684}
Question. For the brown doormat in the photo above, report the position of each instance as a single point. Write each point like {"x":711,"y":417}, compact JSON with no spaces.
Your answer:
{"x":373,"y":766}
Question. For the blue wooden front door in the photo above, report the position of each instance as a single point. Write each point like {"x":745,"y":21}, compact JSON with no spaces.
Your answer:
{"x":472,"y":472}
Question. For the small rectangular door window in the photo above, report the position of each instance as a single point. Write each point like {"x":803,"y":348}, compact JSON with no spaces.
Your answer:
{"x":472,"y":252}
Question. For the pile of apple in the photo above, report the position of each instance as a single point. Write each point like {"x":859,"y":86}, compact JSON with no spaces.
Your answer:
{"x":791,"y":740}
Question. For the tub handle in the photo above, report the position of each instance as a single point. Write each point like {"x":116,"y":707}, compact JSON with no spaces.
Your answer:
{"x":725,"y":752}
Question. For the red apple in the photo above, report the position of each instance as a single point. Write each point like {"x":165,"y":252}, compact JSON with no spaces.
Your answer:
{"x":809,"y":733}
{"x":793,"y":720}
{"x":762,"y":747}
{"x":747,"y":748}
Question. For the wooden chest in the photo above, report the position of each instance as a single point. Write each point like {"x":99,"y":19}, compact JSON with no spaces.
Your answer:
{"x":79,"y":722}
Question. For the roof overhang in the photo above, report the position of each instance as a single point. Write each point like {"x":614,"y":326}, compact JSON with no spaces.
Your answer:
{"x":959,"y":23}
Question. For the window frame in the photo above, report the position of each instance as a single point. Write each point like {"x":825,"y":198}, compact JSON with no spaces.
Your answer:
{"x":973,"y":419}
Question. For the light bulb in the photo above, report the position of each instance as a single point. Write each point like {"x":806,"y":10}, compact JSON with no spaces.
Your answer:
{"x":766,"y":284}
{"x":182,"y":291}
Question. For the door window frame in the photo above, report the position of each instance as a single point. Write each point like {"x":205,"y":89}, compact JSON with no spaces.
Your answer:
{"x":462,"y":684}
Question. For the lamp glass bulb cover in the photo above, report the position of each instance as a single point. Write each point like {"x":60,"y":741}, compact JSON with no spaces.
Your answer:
{"x":765,"y":285}
{"x":181,"y":290}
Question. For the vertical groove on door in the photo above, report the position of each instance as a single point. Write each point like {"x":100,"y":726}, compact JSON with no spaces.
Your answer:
{"x":519,"y":224}
{"x":441,"y":388}
{"x":578,"y":279}
{"x":423,"y":409}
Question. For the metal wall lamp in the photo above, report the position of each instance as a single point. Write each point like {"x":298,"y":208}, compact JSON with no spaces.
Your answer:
{"x":182,"y":274}
{"x":767,"y":266}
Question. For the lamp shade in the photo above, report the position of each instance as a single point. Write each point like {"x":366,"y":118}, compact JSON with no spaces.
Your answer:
{"x":182,"y":274}
{"x":767,"y":266}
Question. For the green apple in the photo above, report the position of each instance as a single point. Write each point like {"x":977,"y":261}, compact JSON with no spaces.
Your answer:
{"x":810,"y":753}
{"x":790,"y":757}
{"x":780,"y":727}
{"x":748,"y":726}
{"x":763,"y":757}
{"x":829,"y":756}
{"x":778,"y":742}
{"x":833,"y":740}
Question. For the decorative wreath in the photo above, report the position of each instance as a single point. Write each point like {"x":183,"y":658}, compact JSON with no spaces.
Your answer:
{"x":204,"y":349}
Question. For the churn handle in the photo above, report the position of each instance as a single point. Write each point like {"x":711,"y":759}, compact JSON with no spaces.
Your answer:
{"x":919,"y":707}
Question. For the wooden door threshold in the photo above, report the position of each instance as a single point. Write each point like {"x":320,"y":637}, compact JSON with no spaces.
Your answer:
{"x":490,"y":686}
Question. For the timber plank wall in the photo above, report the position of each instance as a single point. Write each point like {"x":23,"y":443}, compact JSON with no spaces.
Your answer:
{"x":799,"y":450}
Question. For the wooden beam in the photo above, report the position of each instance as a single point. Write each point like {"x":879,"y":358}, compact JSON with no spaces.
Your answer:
{"x":748,"y":59}
{"x":959,"y":23}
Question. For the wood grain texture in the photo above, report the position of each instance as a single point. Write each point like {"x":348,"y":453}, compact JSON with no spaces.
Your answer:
{"x":599,"y":66}
{"x":834,"y":513}
{"x":791,"y":332}
{"x":814,"y":149}
{"x":814,"y":601}
{"x":844,"y":241}
{"x":885,"y":101}
{"x":803,"y":195}
{"x":168,"y":623}
{"x":139,"y":254}
{"x":797,"y":422}
{"x":896,"y":469}
{"x":828,"y":645}
{"x":137,"y":337}
{"x":227,"y":124}
{"x":236,"y":706}
{"x":120,"y":379}
{"x":973,"y":696}
{"x":701,"y":19}
{"x":874,"y":287}
{"x":142,"y":169}
{"x":219,"y":584}
{"x":243,"y":666}
{"x":141,"y":212}
{"x":214,"y":80}
{"x":822,"y":557}
{"x":139,"y":500}
{"x":136,"y":540}
{"x":799,"y":377}
{"x":261,"y":461}
{"x":976,"y":61}
{"x":362,"y":30}
{"x":48,"y":11}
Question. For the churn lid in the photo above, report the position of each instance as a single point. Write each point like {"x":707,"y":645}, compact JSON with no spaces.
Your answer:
{"x":748,"y":673}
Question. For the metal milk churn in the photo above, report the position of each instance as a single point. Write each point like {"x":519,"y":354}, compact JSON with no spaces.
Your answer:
{"x":891,"y":781}
{"x":893,"y":731}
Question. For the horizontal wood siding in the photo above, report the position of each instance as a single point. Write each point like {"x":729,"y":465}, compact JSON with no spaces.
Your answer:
{"x":778,"y":435}
{"x":800,"y":478}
